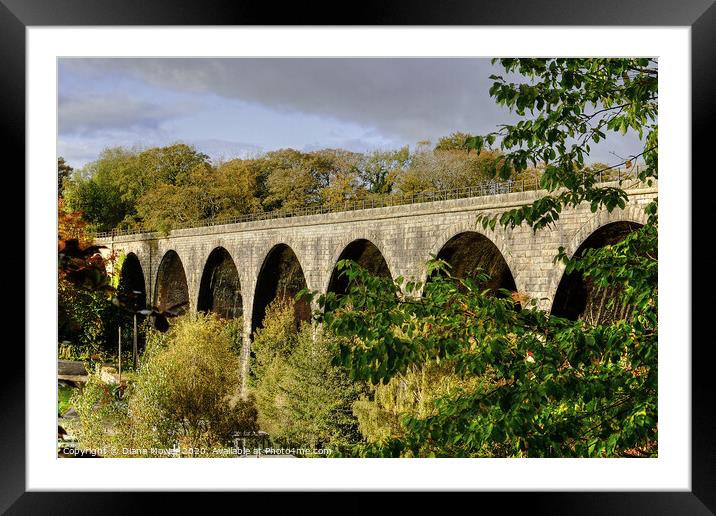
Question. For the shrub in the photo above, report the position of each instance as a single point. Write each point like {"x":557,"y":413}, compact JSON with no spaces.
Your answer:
{"x":277,"y":338}
{"x":87,"y":322}
{"x":102,"y":425}
{"x":187,"y":390}
{"x":301,"y":398}
{"x":186,"y":393}
{"x":414,"y":393}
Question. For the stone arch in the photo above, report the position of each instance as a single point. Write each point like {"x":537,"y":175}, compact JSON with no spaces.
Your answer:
{"x":633,"y":213}
{"x":132,"y":283}
{"x":220,"y":286}
{"x":280,"y":276}
{"x":171,"y":291}
{"x":572,"y":296}
{"x":470,"y":251}
{"x":338,"y":249}
{"x":301,"y":247}
{"x":491,"y":236}
{"x":366,"y":254}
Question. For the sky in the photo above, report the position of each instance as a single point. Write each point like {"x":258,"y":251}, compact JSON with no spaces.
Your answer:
{"x":242,"y":107}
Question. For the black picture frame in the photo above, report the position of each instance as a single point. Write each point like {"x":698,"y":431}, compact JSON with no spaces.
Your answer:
{"x":700,"y":15}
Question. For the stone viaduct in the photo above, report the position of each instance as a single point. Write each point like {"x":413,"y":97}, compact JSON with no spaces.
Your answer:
{"x":255,"y":259}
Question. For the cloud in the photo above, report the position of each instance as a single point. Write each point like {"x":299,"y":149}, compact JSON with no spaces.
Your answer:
{"x":412,"y":99}
{"x":103,"y":113}
{"x":361,"y":144}
{"x":79,"y":150}
{"x":76,"y":153}
{"x":219,"y":150}
{"x":357,"y":103}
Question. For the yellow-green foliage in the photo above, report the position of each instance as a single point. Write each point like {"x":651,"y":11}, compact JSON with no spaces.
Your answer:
{"x":276,"y":338}
{"x":117,"y":270}
{"x":103,"y":425}
{"x":301,"y":398}
{"x":188,"y":388}
{"x":186,"y":393}
{"x":412,"y":393}
{"x":445,"y":169}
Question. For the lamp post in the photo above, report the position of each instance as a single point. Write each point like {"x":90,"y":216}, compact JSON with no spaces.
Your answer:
{"x":119,"y":352}
{"x":135,"y":351}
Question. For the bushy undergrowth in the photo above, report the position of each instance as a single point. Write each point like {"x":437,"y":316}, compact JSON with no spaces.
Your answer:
{"x":414,"y":393}
{"x":186,"y":394}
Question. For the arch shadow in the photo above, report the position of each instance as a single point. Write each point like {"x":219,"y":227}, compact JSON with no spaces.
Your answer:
{"x":171,"y":291}
{"x":470,"y":252}
{"x":132,"y":284}
{"x":220,"y":288}
{"x":366,"y":254}
{"x":281,"y":277}
{"x":576,"y":297}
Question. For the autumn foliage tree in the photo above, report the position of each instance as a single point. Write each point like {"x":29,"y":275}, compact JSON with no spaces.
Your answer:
{"x":85,"y":311}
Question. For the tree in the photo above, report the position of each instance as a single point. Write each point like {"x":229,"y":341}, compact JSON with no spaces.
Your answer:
{"x":107,"y":191}
{"x":292,"y":180}
{"x":90,"y":302}
{"x":577,"y":101}
{"x":63,"y":172}
{"x":172,"y":164}
{"x":455,"y":141}
{"x":95,"y":192}
{"x":380,"y":169}
{"x":345,"y":187}
{"x":239,"y":188}
{"x":446,"y":167}
{"x":302,"y":399}
{"x":188,"y":387}
{"x":551,"y":386}
{"x":167,"y":206}
{"x":337,"y":163}
{"x":344,"y":182}
{"x":413,"y":392}
{"x":85,"y":314}
{"x":206,"y":193}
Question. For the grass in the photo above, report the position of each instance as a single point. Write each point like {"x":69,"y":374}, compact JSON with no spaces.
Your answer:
{"x":129,"y":376}
{"x":64,"y":393}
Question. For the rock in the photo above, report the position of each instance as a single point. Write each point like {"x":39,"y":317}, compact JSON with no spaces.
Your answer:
{"x":71,"y":368}
{"x":71,"y":414}
{"x":109,"y":375}
{"x":71,"y":371}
